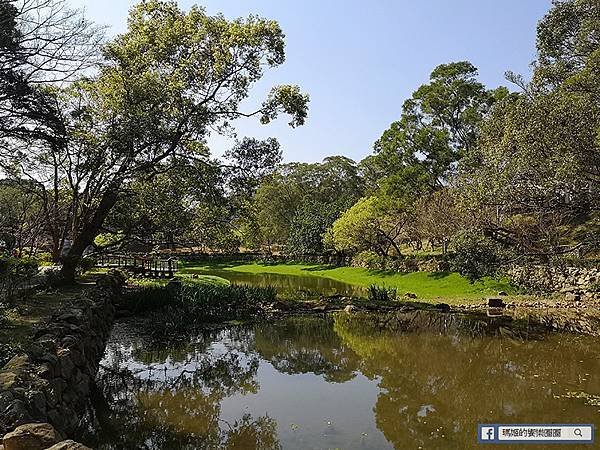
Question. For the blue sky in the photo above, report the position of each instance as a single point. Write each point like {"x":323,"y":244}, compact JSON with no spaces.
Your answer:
{"x":359,"y":60}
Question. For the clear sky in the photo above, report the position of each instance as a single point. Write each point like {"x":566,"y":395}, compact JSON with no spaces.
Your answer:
{"x":359,"y":60}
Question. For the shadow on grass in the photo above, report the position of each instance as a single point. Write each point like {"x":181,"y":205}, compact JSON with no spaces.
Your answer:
{"x":390,"y":273}
{"x":319,"y":268}
{"x":190,"y":266}
{"x":439,"y":275}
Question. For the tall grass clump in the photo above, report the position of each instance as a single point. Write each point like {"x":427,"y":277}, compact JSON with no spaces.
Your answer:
{"x":381,"y":294}
{"x":177,"y":307}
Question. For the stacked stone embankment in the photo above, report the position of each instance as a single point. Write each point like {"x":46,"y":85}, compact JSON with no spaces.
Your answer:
{"x":51,"y":381}
{"x":583,"y":281}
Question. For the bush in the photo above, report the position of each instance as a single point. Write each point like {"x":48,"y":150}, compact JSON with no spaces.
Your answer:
{"x":382,"y":294}
{"x":475,"y":256}
{"x":15,"y":273}
{"x":368,"y":260}
{"x":85,"y":264}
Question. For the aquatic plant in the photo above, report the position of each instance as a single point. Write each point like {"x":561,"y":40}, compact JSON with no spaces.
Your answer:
{"x":177,"y":307}
{"x":381,"y":293}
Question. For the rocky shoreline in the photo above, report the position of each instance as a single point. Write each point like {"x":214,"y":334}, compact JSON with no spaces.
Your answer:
{"x":50,"y":382}
{"x":43,"y":390}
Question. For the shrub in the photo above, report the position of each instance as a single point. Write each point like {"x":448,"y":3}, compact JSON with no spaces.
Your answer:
{"x":382,"y":294}
{"x":85,"y":264}
{"x":475,"y":256}
{"x":368,"y":260}
{"x":14,"y":273}
{"x":44,"y":258}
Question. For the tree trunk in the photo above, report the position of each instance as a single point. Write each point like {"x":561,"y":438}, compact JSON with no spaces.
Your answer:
{"x":86,"y":236}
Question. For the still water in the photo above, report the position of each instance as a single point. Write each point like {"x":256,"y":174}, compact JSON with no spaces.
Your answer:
{"x":291,"y":285}
{"x":343,"y":381}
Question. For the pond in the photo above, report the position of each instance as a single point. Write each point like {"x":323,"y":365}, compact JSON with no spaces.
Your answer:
{"x":291,"y":285}
{"x":349,"y":381}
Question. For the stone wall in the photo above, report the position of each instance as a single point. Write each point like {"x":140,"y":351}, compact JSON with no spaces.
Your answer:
{"x":51,"y":381}
{"x":545,"y":279}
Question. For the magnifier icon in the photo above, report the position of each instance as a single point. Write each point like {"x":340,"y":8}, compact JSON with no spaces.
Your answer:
{"x":577,"y":432}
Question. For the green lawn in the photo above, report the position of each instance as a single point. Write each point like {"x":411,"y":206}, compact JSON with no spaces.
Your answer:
{"x":428,"y":286}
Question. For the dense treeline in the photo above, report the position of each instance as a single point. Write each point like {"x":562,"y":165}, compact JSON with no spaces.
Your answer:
{"x":119,"y":157}
{"x":495,"y":176}
{"x":89,"y":125}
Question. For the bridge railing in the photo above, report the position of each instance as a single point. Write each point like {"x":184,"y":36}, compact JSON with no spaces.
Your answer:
{"x":143,"y":264}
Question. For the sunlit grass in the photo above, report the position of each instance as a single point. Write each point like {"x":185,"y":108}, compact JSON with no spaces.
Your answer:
{"x":426,"y":285}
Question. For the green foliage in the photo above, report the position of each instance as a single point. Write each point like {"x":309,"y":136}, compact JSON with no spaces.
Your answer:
{"x":166,"y":82}
{"x":43,"y":257}
{"x":369,"y":260}
{"x":381,"y":294}
{"x":296,"y":205}
{"x":475,"y":256}
{"x":177,"y":307}
{"x":308,"y":227}
{"x":566,"y":39}
{"x":13,"y":273}
{"x":86,"y":264}
{"x":20,"y":218}
{"x":439,"y":124}
{"x":371,"y":224}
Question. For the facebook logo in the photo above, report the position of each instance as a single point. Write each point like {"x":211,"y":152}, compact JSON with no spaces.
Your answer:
{"x":487,"y":433}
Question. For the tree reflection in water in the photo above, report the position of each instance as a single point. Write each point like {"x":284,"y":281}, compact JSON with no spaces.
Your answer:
{"x":441,"y":374}
{"x":437,"y":375}
{"x":169,"y":398}
{"x":306,"y":345}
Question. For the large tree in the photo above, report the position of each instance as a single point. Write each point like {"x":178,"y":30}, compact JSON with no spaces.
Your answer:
{"x":534,"y":180}
{"x":567,"y":41}
{"x":294,"y":207}
{"x":437,"y":127}
{"x":164,"y":85}
{"x":43,"y":44}
{"x":374,"y":224}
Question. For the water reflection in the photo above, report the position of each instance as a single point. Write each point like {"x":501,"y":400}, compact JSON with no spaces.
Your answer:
{"x":399,"y":380}
{"x":291,"y":285}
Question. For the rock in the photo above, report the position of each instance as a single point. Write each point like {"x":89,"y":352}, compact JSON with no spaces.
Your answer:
{"x":444,"y":307}
{"x":572,"y":297}
{"x":410,"y":295}
{"x":66,"y":365}
{"x":495,"y":302}
{"x":502,"y":294}
{"x":568,"y":289}
{"x":38,"y":401}
{"x":18,"y":412}
{"x":350,"y":308}
{"x":122,"y":313}
{"x":68,"y":445}
{"x":31,"y":436}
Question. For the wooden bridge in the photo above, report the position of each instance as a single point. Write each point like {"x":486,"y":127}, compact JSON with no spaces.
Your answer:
{"x":143,"y":265}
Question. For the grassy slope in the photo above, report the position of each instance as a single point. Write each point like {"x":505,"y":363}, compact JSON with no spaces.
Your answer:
{"x":448,"y":286}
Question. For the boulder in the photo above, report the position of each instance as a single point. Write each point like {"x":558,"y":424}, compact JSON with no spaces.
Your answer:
{"x":350,"y":308}
{"x":502,"y":294}
{"x":69,"y":445}
{"x":495,"y":302}
{"x":31,"y":436}
{"x":444,"y":307}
